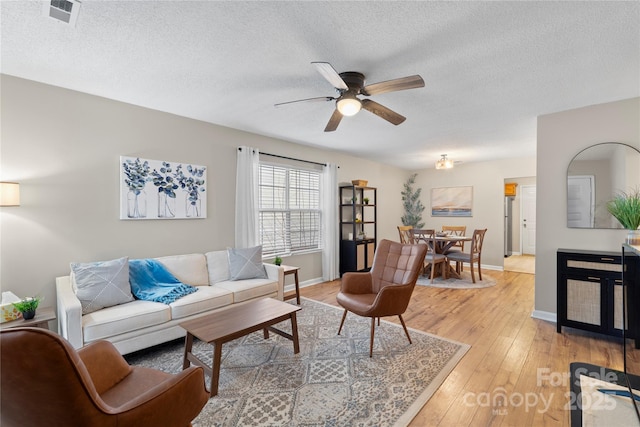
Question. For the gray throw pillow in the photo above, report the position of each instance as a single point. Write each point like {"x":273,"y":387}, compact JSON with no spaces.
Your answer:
{"x":101,"y":284}
{"x":246,"y":263}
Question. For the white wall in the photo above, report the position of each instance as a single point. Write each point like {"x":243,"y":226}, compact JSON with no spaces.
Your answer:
{"x":560,"y":137}
{"x":64,"y":148}
{"x":487,"y":180}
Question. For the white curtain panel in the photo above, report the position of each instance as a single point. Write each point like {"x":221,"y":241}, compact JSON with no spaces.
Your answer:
{"x":330,"y":224}
{"x":247,"y":181}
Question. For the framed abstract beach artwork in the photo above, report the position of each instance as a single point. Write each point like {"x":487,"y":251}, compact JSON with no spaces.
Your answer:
{"x":451,"y":201}
{"x":156,"y":189}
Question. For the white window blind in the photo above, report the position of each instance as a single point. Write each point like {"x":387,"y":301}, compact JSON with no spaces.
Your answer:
{"x":289,"y":209}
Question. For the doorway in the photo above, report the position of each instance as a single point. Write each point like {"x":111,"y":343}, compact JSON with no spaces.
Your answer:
{"x":520,"y":225}
{"x":528,"y":225}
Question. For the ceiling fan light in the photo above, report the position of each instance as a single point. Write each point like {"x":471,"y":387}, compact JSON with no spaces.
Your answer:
{"x":348,"y":106}
{"x":444,"y":163}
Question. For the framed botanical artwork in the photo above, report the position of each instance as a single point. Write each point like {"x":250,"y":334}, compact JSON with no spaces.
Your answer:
{"x":451,"y":201}
{"x":156,"y":189}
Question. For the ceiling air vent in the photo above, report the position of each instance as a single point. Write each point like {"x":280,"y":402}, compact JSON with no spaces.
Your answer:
{"x":62,"y":10}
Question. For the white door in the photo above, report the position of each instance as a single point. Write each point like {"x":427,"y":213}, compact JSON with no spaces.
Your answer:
{"x":580,"y":201}
{"x":528,"y":226}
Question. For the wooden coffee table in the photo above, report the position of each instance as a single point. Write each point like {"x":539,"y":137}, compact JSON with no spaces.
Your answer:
{"x":237,"y":321}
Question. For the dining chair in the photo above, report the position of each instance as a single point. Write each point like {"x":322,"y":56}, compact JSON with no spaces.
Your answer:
{"x":456,"y":230}
{"x":405,"y":234}
{"x":432,"y":258}
{"x":474,"y":255}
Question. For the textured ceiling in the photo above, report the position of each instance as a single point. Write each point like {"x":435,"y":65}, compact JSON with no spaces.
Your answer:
{"x":490,"y":67}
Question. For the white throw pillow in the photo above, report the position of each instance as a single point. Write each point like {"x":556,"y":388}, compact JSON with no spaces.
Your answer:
{"x":218,"y":266}
{"x":246,"y":263}
{"x":101,"y":284}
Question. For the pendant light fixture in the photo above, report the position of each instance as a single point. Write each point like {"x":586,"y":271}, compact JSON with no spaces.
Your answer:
{"x":444,"y":163}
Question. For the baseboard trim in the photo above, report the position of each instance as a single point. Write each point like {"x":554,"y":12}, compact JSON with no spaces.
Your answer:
{"x":310,"y":282}
{"x":545,"y":315}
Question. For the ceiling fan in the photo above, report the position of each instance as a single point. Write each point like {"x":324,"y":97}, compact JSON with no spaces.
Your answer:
{"x":349,"y":85}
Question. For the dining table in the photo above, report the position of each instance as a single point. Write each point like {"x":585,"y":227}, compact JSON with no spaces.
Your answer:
{"x":440,"y":244}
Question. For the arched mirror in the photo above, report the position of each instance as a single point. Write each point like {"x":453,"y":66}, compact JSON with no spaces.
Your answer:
{"x":594,"y":176}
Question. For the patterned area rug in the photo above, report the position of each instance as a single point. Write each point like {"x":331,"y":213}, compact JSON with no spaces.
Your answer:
{"x":331,"y":382}
{"x":464,"y":283}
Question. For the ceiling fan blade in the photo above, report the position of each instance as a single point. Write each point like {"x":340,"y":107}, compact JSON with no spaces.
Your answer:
{"x":382,"y":111}
{"x":334,"y":121}
{"x":331,"y":75}
{"x":317,"y":99}
{"x":409,"y":82}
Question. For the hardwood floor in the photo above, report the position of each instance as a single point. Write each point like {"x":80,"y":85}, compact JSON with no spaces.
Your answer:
{"x":516,"y":372}
{"x":520,"y":263}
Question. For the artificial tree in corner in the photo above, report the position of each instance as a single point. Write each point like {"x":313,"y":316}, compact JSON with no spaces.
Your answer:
{"x":625,"y":207}
{"x":413,"y":207}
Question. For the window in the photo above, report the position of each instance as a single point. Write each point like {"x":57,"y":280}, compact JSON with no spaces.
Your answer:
{"x":289,"y":205}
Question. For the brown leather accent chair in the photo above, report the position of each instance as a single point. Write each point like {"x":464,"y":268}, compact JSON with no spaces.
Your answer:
{"x":387,"y":288}
{"x":46,"y":382}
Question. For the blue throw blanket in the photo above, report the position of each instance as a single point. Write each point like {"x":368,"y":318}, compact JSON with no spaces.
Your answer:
{"x":151,"y":281}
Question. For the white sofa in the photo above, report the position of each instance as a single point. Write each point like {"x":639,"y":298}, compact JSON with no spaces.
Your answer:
{"x":140,"y":324}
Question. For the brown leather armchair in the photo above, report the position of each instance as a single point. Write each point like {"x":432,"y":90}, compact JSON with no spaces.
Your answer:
{"x":387,"y":288}
{"x":46,"y":382}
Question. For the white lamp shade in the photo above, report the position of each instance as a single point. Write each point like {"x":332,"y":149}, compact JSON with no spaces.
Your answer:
{"x":9,"y":194}
{"x":348,"y":106}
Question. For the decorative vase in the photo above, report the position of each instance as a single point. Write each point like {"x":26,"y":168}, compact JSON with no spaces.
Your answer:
{"x":29,"y":314}
{"x":193,"y":208}
{"x":633,"y":238}
{"x":166,"y":206}
{"x":136,"y":204}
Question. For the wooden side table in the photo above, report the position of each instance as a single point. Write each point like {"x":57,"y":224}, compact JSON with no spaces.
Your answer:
{"x":41,"y":320}
{"x":292,"y":270}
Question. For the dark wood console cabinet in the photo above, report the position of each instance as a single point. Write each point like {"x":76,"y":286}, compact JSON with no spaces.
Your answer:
{"x":590,"y":291}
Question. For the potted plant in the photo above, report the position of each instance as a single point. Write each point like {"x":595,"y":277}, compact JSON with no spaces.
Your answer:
{"x":277,"y":260}
{"x":625,"y":207}
{"x":27,"y":307}
{"x":366,"y":200}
